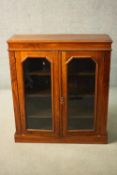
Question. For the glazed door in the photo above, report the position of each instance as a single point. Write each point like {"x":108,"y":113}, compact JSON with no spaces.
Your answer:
{"x":38,"y":92}
{"x":80,"y":83}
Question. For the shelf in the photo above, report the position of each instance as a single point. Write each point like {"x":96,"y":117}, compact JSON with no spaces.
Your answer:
{"x":37,"y":93}
{"x":39,"y":73}
{"x":45,"y":73}
{"x":47,"y":94}
{"x":82,"y":74}
{"x":73,"y":96}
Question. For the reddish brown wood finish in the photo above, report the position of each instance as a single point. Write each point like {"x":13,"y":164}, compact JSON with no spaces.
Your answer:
{"x":58,"y":49}
{"x":67,"y":57}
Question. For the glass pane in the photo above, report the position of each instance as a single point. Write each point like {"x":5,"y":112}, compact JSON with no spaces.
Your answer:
{"x":81,"y":91}
{"x":37,"y":77}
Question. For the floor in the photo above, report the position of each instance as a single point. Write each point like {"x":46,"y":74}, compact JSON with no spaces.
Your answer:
{"x":55,"y":159}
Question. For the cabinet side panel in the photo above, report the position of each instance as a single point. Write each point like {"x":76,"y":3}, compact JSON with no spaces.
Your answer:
{"x":105,"y":94}
{"x":14,"y":86}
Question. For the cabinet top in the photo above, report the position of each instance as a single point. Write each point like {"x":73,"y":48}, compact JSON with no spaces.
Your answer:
{"x":64,"y":38}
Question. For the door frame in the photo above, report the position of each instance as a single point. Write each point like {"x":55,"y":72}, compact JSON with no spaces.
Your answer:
{"x":97,"y":57}
{"x":51,"y":56}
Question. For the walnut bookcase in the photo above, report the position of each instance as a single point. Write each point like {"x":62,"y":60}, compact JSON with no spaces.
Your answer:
{"x":60,"y":87}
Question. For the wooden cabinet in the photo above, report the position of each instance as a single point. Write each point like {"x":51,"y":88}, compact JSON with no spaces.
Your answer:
{"x":60,"y":87}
